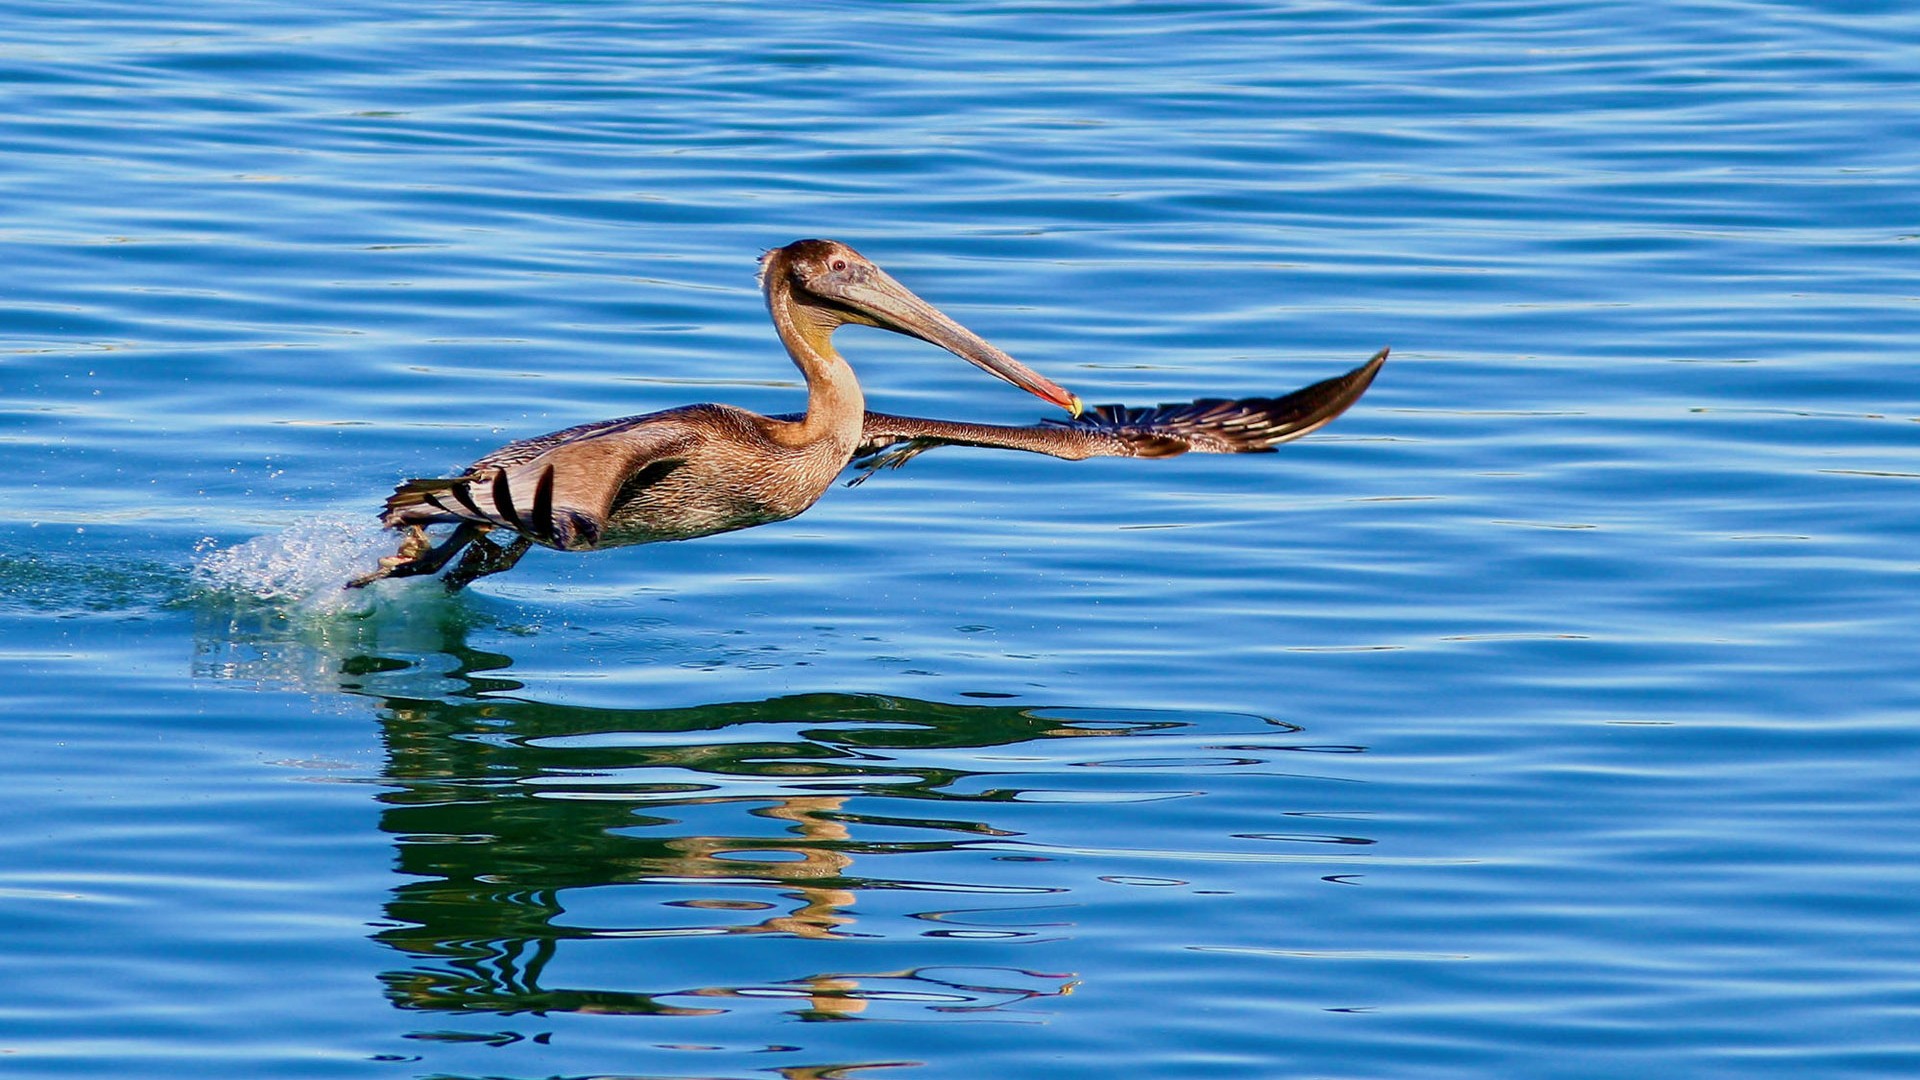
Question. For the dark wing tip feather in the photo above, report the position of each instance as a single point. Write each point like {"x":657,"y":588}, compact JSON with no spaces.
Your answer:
{"x":462,"y":490}
{"x":540,"y":522}
{"x":1223,"y":426}
{"x":419,"y":498}
{"x":503,"y":500}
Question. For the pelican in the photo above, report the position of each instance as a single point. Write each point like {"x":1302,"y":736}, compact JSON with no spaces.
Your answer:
{"x":704,"y":469}
{"x":699,"y":469}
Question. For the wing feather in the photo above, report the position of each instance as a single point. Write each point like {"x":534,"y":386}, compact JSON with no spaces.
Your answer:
{"x":1208,"y":426}
{"x":556,"y":491}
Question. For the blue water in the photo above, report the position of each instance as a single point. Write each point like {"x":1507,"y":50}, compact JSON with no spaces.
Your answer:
{"x":1554,"y":713}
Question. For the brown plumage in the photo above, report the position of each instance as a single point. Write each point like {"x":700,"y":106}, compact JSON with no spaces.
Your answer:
{"x":1206,"y":426}
{"x":695,"y":470}
{"x":704,"y":469}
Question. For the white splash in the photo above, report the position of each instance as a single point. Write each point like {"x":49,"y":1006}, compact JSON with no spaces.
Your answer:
{"x":308,"y":563}
{"x":274,"y":611}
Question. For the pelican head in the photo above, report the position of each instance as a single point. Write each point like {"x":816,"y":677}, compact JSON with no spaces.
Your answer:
{"x":833,"y":285}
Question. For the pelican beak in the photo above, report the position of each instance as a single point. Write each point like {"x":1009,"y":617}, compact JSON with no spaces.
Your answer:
{"x":879,"y":300}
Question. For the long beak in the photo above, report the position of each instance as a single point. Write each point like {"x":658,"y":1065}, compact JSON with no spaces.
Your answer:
{"x":892,"y":306}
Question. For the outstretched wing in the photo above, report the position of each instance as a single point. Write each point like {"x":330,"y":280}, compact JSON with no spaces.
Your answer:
{"x":1208,"y":426}
{"x":557,"y":491}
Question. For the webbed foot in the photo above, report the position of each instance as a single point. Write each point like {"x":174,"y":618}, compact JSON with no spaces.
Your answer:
{"x":418,"y":555}
{"x":482,"y":558}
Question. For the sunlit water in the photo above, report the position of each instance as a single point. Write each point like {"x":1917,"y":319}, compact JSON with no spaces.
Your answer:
{"x":1552,"y":714}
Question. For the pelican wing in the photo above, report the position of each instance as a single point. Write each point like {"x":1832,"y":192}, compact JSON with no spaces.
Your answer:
{"x":1207,"y":426}
{"x":514,"y":453}
{"x":557,"y":491}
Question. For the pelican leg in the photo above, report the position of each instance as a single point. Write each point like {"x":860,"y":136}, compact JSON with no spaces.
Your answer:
{"x":483,"y":558}
{"x":417,"y":555}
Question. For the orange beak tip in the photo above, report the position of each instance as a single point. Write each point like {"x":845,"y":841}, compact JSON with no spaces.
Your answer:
{"x":1074,"y":406}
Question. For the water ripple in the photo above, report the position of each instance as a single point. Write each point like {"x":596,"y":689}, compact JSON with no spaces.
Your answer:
{"x":1549,"y":715}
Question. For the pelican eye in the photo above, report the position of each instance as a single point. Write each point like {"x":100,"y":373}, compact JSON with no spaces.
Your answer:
{"x":838,"y":265}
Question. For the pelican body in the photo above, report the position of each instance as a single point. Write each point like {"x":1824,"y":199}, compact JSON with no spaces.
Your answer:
{"x":696,"y":470}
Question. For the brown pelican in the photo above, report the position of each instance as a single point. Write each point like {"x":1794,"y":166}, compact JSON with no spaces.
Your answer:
{"x":695,"y":470}
{"x":704,"y":469}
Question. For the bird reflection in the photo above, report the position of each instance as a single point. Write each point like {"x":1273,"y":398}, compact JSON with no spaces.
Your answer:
{"x":819,"y":858}
{"x":751,"y":857}
{"x":527,"y":829}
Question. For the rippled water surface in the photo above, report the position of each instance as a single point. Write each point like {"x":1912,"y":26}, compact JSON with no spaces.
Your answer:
{"x":1551,"y":714}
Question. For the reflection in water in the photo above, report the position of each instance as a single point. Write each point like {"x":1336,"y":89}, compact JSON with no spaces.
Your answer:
{"x":809,"y":823}
{"x":739,"y":817}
